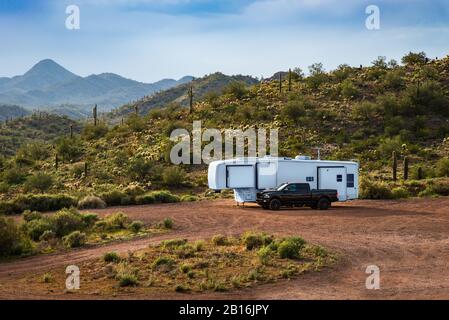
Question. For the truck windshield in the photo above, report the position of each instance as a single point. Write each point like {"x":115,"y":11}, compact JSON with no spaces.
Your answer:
{"x":281,"y":187}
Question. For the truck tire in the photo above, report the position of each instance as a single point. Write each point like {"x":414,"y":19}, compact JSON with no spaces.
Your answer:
{"x":323,"y":204}
{"x":275,"y":204}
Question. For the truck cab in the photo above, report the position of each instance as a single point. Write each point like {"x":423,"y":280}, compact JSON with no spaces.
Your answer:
{"x":296,"y":195}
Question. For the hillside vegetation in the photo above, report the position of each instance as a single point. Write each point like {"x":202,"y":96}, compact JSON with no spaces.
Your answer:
{"x":351,"y":113}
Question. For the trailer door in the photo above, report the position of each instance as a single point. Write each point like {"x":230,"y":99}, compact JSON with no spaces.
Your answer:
{"x":266,"y":175}
{"x":333,"y":178}
{"x":240,"y":176}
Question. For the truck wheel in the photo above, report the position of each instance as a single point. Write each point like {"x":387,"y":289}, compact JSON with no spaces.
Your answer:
{"x":275,"y":204}
{"x":324,"y":204}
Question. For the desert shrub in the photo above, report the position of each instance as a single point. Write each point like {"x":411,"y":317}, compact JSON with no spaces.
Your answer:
{"x":67,"y":221}
{"x":163,"y":261}
{"x":188,"y":198}
{"x":413,"y":58}
{"x":290,"y":247}
{"x":139,"y":169}
{"x":13,"y":176}
{"x":145,"y":199}
{"x":374,"y":190}
{"x":47,"y":278}
{"x":440,"y":188}
{"x":37,"y":202}
{"x":127,"y":280}
{"x":365,"y":110}
{"x":135,"y":123}
{"x":173,"y":176}
{"x":34,"y":151}
{"x":74,"y":239}
{"x":220,"y":240}
{"x":39,"y":181}
{"x":293,"y":110}
{"x":47,"y":235}
{"x":198,"y":245}
{"x":113,"y":197}
{"x":348,"y":89}
{"x":11,"y":239}
{"x":4,"y":187}
{"x":237,"y":89}
{"x":133,"y":191}
{"x":89,"y":219}
{"x":31,"y":215}
{"x":265,"y":254}
{"x":36,"y":228}
{"x":91,"y":131}
{"x":135,"y":226}
{"x":173,"y":243}
{"x":442,"y":167}
{"x":256,"y":240}
{"x":164,"y":196}
{"x":114,"y":222}
{"x":91,"y":202}
{"x":185,"y":268}
{"x":400,"y":192}
{"x":111,"y":257}
{"x":394,"y":79}
{"x":317,"y":76}
{"x":167,"y":223}
{"x":69,"y":149}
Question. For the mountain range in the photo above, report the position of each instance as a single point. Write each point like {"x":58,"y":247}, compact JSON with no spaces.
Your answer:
{"x":49,"y":86}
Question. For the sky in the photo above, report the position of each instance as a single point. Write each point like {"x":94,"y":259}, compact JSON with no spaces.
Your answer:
{"x":148,"y":40}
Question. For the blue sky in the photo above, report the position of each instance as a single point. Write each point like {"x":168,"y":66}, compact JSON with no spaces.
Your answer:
{"x":152,"y":39}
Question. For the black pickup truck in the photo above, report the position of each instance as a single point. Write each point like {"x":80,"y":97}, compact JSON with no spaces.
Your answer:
{"x":296,"y":195}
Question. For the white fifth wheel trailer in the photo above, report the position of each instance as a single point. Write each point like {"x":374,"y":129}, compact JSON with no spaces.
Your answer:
{"x":247,"y":176}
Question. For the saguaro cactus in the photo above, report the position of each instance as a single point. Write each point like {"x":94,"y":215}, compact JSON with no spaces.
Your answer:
{"x":190,"y":94}
{"x":71,"y":131}
{"x":94,"y":111}
{"x":56,"y":161}
{"x":395,"y":166}
{"x":136,"y":109}
{"x":405,"y":168}
{"x":420,"y":173}
{"x":85,"y":169}
{"x":280,"y":82}
{"x":289,"y":80}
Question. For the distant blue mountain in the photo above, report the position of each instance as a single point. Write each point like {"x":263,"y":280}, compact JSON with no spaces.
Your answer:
{"x":47,"y":85}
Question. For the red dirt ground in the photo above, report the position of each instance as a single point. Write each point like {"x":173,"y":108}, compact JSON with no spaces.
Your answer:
{"x":407,"y":239}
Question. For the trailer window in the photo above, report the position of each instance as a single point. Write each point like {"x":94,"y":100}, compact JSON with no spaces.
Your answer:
{"x":309,"y":179}
{"x":350,"y":180}
{"x":339,"y":178}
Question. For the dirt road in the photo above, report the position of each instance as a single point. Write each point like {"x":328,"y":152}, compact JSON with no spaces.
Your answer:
{"x":407,"y":239}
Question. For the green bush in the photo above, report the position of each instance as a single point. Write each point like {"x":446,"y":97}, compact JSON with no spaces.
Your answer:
{"x":442,"y":167}
{"x":220,"y":240}
{"x":91,"y":131}
{"x":374,"y":190}
{"x":36,"y":228}
{"x":400,"y":192}
{"x":39,"y":181}
{"x":293,"y":111}
{"x":265,"y":254}
{"x":13,"y":176}
{"x":69,"y":149}
{"x":11,"y":239}
{"x":113,"y":197}
{"x":31,"y":215}
{"x":127,"y":280}
{"x":74,"y":239}
{"x":256,"y":240}
{"x":89,"y":219}
{"x":348,"y":89}
{"x":236,"y":88}
{"x":4,"y":187}
{"x":145,"y":199}
{"x":173,"y":243}
{"x":188,"y":198}
{"x":136,"y":226}
{"x":290,"y":247}
{"x":91,"y":202}
{"x":173,"y":176}
{"x":47,"y":235}
{"x":67,"y":221}
{"x":139,"y":169}
{"x":114,"y":222}
{"x":163,"y":261}
{"x":164,"y":196}
{"x":167,"y":223}
{"x":36,"y":202}
{"x":111,"y":257}
{"x":440,"y":188}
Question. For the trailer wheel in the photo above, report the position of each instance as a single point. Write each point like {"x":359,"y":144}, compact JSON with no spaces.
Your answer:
{"x":275,"y":204}
{"x":324,"y":204}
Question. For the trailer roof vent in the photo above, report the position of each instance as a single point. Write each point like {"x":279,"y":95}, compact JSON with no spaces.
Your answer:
{"x":302,"y":158}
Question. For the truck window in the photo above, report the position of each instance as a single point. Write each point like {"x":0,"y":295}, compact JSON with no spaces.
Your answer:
{"x":291,"y":188}
{"x":350,"y":180}
{"x":302,"y":187}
